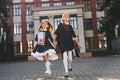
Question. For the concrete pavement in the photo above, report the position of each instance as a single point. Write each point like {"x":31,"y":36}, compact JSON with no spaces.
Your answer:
{"x":97,"y":68}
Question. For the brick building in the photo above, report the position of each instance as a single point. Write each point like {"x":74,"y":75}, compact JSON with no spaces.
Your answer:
{"x":25,"y":16}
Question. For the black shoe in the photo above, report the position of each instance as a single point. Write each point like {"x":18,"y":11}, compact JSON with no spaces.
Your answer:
{"x":66,"y":76}
{"x":70,"y":69}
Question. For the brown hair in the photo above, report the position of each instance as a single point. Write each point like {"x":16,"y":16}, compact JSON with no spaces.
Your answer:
{"x":50,"y":26}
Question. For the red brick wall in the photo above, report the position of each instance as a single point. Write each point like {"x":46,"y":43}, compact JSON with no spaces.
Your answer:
{"x":94,"y":21}
{"x":23,"y":21}
{"x":11,"y":18}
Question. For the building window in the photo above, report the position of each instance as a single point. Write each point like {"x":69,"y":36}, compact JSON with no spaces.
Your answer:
{"x":102,"y":42}
{"x":17,"y":47}
{"x":100,"y":22}
{"x":73,"y":21}
{"x":30,"y":28}
{"x":44,"y":0}
{"x":57,"y":0}
{"x":69,"y":3}
{"x":87,"y":5}
{"x":45,"y":4}
{"x":102,"y":36}
{"x":30,"y":46}
{"x":88,"y":24}
{"x":89,"y":42}
{"x":7,"y":8}
{"x":57,"y":4}
{"x":110,"y":4}
{"x":99,"y":4}
{"x":16,"y":9}
{"x":57,"y":20}
{"x":28,"y":11}
{"x":44,"y":18}
{"x":17,"y":28}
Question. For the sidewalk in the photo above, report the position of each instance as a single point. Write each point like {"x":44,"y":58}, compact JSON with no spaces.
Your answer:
{"x":97,"y":68}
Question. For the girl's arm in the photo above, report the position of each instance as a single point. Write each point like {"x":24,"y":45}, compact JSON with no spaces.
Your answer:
{"x":54,"y":40}
{"x":77,"y":42}
{"x":75,"y":38}
{"x":55,"y":37}
{"x":56,"y":33}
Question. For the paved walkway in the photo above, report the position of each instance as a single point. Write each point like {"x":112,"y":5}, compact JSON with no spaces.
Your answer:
{"x":98,"y":68}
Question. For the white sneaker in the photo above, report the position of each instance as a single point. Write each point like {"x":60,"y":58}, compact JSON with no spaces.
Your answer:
{"x":47,"y":74}
{"x":33,"y":54}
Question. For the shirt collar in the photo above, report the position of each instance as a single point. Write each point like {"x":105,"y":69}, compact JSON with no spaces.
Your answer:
{"x":43,"y":30}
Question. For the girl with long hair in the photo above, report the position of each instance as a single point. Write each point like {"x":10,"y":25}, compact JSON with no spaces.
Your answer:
{"x":45,"y":50}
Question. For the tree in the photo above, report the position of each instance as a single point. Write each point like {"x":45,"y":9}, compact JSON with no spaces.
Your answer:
{"x":112,"y":19}
{"x":4,"y":15}
{"x":6,"y":50}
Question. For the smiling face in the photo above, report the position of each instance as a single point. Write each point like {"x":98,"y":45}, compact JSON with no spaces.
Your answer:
{"x":45,"y":25}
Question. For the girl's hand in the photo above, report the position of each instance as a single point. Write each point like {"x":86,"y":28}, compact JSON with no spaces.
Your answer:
{"x":79,"y":46}
{"x":77,"y":43}
{"x":55,"y":42}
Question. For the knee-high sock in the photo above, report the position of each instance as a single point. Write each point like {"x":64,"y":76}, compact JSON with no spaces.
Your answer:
{"x":47,"y":65}
{"x":74,"y":53}
{"x":69,"y":59}
{"x":65,"y":61}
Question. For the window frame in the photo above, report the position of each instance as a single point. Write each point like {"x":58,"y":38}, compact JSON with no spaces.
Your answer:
{"x":88,"y":25}
{"x":17,"y":28}
{"x":17,"y":9}
{"x":29,"y":27}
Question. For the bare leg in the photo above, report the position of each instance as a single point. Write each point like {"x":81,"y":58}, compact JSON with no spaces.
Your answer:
{"x":46,"y":58}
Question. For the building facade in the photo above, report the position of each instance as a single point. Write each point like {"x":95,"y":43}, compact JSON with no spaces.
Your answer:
{"x":25,"y":16}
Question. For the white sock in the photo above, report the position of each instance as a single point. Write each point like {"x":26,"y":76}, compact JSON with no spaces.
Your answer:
{"x":74,"y":53}
{"x":69,"y":59}
{"x":47,"y":65}
{"x":65,"y":61}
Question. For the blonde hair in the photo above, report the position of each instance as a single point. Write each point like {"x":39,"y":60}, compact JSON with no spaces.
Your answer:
{"x":66,"y":13}
{"x":50,"y":26}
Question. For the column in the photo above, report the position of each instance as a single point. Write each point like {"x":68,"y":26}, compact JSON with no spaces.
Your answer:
{"x":23,"y":22}
{"x":51,"y":19}
{"x":81,"y":32}
{"x":94,"y":21}
{"x":36,"y":25}
{"x":11,"y":18}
